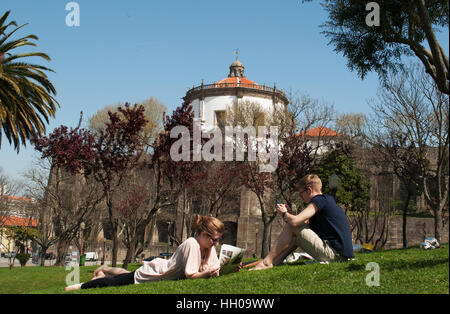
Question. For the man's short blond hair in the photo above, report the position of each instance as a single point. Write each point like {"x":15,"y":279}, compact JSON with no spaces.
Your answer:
{"x":311,"y":181}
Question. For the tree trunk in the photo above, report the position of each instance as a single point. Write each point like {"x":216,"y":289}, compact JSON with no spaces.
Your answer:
{"x":436,"y":206}
{"x":440,"y":74}
{"x":266,"y":239}
{"x":438,"y":224}
{"x":130,"y":253}
{"x":405,"y":211}
{"x":115,"y":248}
{"x":114,"y":227}
{"x":138,"y":237}
{"x":43,"y":253}
{"x":61,"y":251}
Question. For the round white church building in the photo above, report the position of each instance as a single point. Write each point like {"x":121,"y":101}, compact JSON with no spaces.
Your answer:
{"x":210,"y":102}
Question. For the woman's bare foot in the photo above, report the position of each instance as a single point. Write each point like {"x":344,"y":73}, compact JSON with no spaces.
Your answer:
{"x":73,"y":287}
{"x":261,"y":266}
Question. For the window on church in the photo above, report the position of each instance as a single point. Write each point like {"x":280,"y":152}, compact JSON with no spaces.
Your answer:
{"x":220,"y":118}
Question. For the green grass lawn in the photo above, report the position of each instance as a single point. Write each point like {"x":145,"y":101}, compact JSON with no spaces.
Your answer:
{"x":402,"y":271}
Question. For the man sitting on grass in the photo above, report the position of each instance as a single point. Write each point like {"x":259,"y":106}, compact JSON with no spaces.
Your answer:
{"x":326,"y":236}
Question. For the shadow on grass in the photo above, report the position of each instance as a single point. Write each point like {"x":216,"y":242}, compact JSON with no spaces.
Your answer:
{"x":401,"y":264}
{"x":393,"y":265}
{"x":309,"y":262}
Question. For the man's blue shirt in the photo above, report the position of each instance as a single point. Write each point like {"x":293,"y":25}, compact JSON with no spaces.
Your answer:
{"x":331,"y":224}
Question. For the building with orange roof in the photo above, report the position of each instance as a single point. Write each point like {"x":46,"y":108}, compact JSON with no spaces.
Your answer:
{"x":16,"y":213}
{"x":17,"y":206}
{"x":321,"y":138}
{"x":210,"y":101}
{"x":19,"y":221}
{"x":321,"y":131}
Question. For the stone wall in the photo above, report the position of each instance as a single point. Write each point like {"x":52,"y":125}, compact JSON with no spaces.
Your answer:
{"x":416,"y":230}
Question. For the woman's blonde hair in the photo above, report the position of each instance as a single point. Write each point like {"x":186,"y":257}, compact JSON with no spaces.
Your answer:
{"x":311,"y":181}
{"x":208,"y":224}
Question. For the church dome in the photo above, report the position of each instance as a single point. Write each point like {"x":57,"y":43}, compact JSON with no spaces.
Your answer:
{"x":237,"y":63}
{"x":236,"y":69}
{"x":210,"y":101}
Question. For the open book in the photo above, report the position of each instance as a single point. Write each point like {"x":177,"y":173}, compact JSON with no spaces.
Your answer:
{"x":230,"y":257}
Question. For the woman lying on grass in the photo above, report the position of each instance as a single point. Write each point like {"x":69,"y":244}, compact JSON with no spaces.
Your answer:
{"x":194,"y":258}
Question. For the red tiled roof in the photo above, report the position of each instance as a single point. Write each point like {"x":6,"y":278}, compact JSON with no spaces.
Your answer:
{"x":320,"y":131}
{"x":17,"y":198}
{"x":234,"y":81}
{"x":19,"y":221}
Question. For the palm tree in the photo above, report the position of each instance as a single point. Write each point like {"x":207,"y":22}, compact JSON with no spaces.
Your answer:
{"x":25,"y":91}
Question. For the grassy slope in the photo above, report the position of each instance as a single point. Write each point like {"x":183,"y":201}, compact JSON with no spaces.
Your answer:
{"x":401,"y":271}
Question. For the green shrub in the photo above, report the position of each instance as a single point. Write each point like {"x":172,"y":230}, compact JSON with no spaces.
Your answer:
{"x":23,"y":258}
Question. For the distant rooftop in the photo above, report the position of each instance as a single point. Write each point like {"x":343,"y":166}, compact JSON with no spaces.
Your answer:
{"x":17,"y":198}
{"x":320,"y":131}
{"x":18,"y":221}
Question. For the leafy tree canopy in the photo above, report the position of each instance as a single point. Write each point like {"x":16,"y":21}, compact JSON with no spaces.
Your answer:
{"x":26,"y":93}
{"x":405,"y":28}
{"x":353,"y":188}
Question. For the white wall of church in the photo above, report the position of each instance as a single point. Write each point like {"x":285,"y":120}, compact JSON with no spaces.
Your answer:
{"x":212,"y":104}
{"x":205,"y":109}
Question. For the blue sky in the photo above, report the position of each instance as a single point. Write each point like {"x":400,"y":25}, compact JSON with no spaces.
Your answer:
{"x":130,"y":50}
